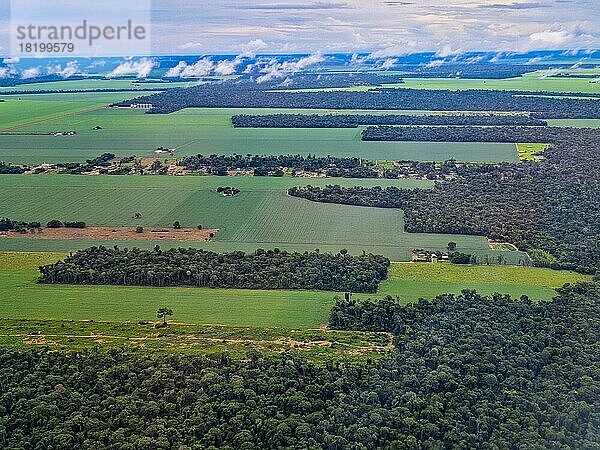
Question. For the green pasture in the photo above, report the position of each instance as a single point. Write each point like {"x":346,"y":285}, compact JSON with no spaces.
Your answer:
{"x":534,"y":81}
{"x":204,"y":131}
{"x":531,"y":151}
{"x":92,"y":83}
{"x":22,"y":298}
{"x":261,"y":216}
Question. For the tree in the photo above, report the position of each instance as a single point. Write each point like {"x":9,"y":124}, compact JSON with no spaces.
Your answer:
{"x":162,"y":313}
{"x":177,"y":225}
{"x":451,"y":246}
{"x":139,"y":230}
{"x":54,"y":224}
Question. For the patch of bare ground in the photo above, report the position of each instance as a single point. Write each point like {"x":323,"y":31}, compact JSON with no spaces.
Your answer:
{"x":119,"y":234}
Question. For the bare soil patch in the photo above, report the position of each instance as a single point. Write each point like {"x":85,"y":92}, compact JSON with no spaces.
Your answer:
{"x":119,"y":234}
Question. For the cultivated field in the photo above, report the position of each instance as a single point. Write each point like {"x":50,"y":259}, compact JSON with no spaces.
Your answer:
{"x":534,"y":81}
{"x":261,"y":216}
{"x":192,"y":131}
{"x":22,"y":298}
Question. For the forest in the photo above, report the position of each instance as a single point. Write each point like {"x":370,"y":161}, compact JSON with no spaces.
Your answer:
{"x":309,"y":163}
{"x":240,"y":94}
{"x":480,"y":134}
{"x":354,"y":120}
{"x":271,"y":269}
{"x":468,"y":372}
{"x":546,"y":208}
{"x":9,"y":169}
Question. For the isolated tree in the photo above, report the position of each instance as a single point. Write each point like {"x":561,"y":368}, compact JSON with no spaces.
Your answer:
{"x":451,"y":246}
{"x":177,"y":225}
{"x":139,"y":230}
{"x":137,"y":215}
{"x":162,"y":313}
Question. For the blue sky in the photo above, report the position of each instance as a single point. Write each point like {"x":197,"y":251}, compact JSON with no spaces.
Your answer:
{"x":392,"y":27}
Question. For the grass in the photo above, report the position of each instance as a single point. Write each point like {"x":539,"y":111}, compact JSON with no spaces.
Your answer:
{"x":534,"y":81}
{"x":262,"y":215}
{"x":207,"y":131}
{"x":74,"y":85}
{"x":413,"y":281}
{"x":316,"y":345}
{"x":531,"y":151}
{"x":22,"y":298}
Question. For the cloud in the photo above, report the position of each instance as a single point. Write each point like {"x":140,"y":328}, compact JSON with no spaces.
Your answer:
{"x":276,"y":69}
{"x":295,"y":6}
{"x":435,"y":63}
{"x":515,"y":6}
{"x":141,"y":68}
{"x":71,"y":68}
{"x":388,"y":63}
{"x":447,"y":50}
{"x":11,"y":60}
{"x":33,"y":72}
{"x":551,"y":37}
{"x":6,"y":72}
{"x":250,"y":49}
{"x":393,"y":51}
{"x":190,"y":46}
{"x":202,"y":68}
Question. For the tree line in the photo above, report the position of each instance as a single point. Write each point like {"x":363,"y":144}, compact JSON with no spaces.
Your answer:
{"x":355,"y":120}
{"x":271,"y":269}
{"x":467,"y":372}
{"x":509,"y":134}
{"x":9,"y":169}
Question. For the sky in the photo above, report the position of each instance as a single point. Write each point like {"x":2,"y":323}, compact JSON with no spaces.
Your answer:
{"x":390,"y":27}
{"x":382,"y":29}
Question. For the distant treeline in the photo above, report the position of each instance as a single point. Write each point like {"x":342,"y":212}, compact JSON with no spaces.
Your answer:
{"x":267,"y":165}
{"x":80,"y":91}
{"x":248,"y":95}
{"x":355,"y":120}
{"x":9,"y":169}
{"x":328,"y":165}
{"x":479,"y":134}
{"x":272,"y":269}
{"x":229,"y":162}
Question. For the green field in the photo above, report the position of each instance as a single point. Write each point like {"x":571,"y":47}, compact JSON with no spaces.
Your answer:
{"x":535,"y":81}
{"x":531,"y":151}
{"x":205,"y":131}
{"x":262,"y":215}
{"x":22,"y":298}
{"x":74,"y":85}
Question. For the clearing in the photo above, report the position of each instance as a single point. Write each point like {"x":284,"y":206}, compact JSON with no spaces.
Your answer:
{"x":119,"y":234}
{"x":22,"y":298}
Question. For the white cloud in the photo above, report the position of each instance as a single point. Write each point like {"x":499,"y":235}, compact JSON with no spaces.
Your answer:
{"x":70,"y":69}
{"x":389,"y":63}
{"x":32,"y":72}
{"x":276,"y":69}
{"x":447,"y":50}
{"x":551,"y":37}
{"x":11,"y":60}
{"x":435,"y":63}
{"x":141,"y":68}
{"x":190,"y":46}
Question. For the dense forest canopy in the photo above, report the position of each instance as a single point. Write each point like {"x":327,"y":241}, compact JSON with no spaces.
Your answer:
{"x":272,"y":269}
{"x":355,"y":120}
{"x":467,"y":372}
{"x":245,"y":94}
